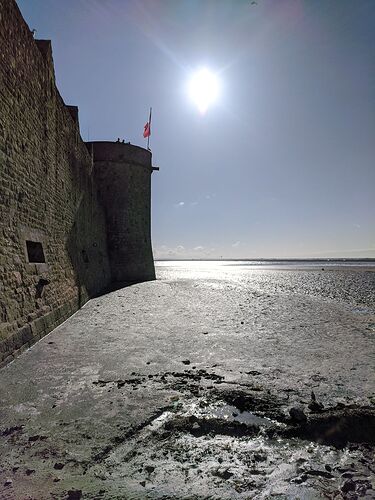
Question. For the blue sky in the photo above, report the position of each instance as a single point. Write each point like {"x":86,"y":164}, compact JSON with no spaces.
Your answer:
{"x":281,"y":165}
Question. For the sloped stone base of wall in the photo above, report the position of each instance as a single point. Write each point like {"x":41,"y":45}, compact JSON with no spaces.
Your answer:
{"x":29,"y":334}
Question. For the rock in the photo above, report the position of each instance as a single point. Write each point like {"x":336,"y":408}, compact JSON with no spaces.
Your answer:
{"x":74,"y":495}
{"x":300,"y":479}
{"x":58,"y":466}
{"x":186,"y":361}
{"x":328,"y":468}
{"x":349,"y":485}
{"x":315,"y":407}
{"x":297,"y":414}
{"x":339,"y":405}
{"x":347,"y":475}
{"x":142,"y":483}
{"x":260,"y":457}
{"x":319,"y":473}
{"x":223,"y":474}
{"x":29,"y":472}
{"x":149,"y":469}
{"x":226,"y":474}
{"x":8,"y":482}
{"x":37,"y":438}
{"x":196,"y":426}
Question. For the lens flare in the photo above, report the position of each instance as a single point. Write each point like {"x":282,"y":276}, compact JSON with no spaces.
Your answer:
{"x":203,"y":89}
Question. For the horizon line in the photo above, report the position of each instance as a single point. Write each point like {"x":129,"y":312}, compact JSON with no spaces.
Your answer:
{"x":278,"y":259}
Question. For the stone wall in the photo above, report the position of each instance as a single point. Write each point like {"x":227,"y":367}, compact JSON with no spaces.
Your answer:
{"x":123,"y":176}
{"x":48,"y":204}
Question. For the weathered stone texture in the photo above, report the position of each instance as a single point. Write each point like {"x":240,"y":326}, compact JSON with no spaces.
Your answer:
{"x":123,"y":176}
{"x":47,"y":194}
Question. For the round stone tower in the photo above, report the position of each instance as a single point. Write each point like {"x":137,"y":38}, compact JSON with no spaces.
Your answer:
{"x":123,"y":177}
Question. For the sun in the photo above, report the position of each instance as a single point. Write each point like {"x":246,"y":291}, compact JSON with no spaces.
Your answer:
{"x":203,"y":89}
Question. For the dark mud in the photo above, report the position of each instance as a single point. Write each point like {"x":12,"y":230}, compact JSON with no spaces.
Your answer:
{"x":338,"y":427}
{"x":218,"y":441}
{"x":205,"y":455}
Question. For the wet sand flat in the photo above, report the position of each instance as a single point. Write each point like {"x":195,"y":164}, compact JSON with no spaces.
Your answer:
{"x":200,"y":385}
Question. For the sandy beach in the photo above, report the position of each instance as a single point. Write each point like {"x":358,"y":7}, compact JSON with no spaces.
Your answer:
{"x":217,"y":380}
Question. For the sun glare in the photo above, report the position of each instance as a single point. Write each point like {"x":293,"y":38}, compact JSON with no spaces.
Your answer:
{"x":203,"y":89}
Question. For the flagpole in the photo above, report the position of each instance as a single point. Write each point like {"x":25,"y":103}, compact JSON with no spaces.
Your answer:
{"x":149,"y":124}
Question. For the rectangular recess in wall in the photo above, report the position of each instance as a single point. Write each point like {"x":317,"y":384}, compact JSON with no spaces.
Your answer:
{"x":35,"y":252}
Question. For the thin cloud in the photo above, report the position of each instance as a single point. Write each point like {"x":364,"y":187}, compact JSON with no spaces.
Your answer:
{"x":237,"y":244}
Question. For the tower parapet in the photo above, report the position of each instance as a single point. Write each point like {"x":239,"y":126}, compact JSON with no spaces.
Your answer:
{"x":123,"y":177}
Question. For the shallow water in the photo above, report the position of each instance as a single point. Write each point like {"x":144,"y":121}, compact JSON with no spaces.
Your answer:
{"x":352,"y":282}
{"x":312,"y":263}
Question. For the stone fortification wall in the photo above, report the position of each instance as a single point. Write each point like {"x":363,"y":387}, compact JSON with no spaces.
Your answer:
{"x":123,"y":176}
{"x":53,"y":252}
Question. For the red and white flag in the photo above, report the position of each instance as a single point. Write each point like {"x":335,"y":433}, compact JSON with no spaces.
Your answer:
{"x":147,"y":130}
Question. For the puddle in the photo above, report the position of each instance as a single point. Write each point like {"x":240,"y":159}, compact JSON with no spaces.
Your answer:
{"x":212,"y":449}
{"x":211,"y":455}
{"x":200,"y":419}
{"x":233,"y":414}
{"x":361,"y":310}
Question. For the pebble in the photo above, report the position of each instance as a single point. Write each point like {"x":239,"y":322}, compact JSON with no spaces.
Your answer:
{"x":315,"y":407}
{"x":300,"y":479}
{"x":74,"y":495}
{"x":297,"y":414}
{"x":349,"y":485}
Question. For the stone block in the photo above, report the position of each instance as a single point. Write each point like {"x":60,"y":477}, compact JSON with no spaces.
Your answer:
{"x":37,"y":326}
{"x":26,"y":333}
